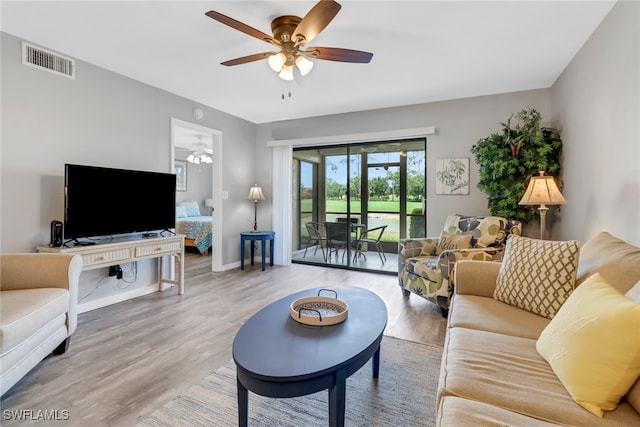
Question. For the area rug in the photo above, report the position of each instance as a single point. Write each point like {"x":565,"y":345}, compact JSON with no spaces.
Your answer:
{"x":405,"y":394}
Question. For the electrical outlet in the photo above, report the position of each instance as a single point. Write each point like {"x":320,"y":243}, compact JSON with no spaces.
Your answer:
{"x":115,"y":270}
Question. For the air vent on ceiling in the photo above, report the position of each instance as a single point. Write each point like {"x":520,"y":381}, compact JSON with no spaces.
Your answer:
{"x":43,"y":59}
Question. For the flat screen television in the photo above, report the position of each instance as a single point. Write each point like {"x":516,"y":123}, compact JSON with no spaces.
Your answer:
{"x":104,"y":201}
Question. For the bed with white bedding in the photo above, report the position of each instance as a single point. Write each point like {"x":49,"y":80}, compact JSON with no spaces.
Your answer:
{"x":196,"y":228}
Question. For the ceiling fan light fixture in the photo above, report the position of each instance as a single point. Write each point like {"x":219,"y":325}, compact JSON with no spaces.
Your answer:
{"x":286,"y":73}
{"x":304,"y":65}
{"x":290,"y":33}
{"x":277,"y":61}
{"x":199,"y":157}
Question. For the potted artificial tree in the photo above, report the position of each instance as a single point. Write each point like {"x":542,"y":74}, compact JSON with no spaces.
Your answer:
{"x":507,"y":160}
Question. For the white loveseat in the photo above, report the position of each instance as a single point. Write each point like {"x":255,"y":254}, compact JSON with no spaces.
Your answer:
{"x":38,"y":310}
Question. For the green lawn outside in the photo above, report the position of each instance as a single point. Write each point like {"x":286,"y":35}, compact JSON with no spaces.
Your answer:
{"x":379,"y":206}
{"x":392,"y":233}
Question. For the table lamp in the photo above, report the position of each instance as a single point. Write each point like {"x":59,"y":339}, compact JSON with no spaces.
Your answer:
{"x":255,"y":194}
{"x":543,"y":191}
{"x":209,"y":203}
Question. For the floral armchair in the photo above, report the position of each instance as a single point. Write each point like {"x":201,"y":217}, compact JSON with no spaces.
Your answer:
{"x":426,"y":265}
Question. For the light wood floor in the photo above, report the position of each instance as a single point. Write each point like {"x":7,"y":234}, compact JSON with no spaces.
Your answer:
{"x":128,"y":359}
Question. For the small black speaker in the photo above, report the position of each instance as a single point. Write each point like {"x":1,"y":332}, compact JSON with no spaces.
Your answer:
{"x":56,"y":234}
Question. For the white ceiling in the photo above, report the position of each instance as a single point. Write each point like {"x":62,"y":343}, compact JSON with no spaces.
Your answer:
{"x":424,"y":51}
{"x":186,"y":139}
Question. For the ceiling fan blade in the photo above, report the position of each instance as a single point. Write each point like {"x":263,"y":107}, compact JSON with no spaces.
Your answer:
{"x":248,"y":58}
{"x":338,"y":54}
{"x":237,"y":25}
{"x":315,"y":21}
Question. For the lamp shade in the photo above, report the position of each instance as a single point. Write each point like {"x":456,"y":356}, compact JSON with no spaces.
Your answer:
{"x":286,"y":73}
{"x":208,"y":203}
{"x":277,"y":61}
{"x":304,"y":65}
{"x":255,"y":193}
{"x":542,"y":190}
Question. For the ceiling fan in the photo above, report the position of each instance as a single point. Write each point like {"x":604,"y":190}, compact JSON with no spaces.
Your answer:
{"x":291,"y":34}
{"x":201,"y":152}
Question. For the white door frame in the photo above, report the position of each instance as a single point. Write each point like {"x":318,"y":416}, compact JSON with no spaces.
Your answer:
{"x":282,"y":165}
{"x":216,"y":136}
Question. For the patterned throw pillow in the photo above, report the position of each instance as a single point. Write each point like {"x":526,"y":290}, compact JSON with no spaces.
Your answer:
{"x":181,"y":212}
{"x":537,"y":275}
{"x":191,"y":208}
{"x":452,"y":241}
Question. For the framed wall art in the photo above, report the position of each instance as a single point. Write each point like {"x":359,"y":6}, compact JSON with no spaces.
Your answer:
{"x":452,"y":176}
{"x":180,"y":168}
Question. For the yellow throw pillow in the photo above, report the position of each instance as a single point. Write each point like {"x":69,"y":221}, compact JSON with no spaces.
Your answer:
{"x":593,"y":345}
{"x":453,"y":241}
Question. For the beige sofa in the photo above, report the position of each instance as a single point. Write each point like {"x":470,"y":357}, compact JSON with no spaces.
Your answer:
{"x":38,"y":310}
{"x":491,"y":373}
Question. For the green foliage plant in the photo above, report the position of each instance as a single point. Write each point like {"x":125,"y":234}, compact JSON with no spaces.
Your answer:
{"x":508,"y":159}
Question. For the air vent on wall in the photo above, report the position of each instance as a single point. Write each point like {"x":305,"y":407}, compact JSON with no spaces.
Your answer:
{"x":46,"y":60}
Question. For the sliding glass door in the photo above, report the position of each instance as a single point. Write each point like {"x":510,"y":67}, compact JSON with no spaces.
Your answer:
{"x":345,"y":192}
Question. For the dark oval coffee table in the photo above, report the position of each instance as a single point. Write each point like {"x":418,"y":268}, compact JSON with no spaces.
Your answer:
{"x":276,"y":356}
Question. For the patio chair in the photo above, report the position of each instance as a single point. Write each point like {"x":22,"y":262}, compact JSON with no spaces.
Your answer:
{"x":337,"y":238}
{"x":315,"y":237}
{"x":371,"y":237}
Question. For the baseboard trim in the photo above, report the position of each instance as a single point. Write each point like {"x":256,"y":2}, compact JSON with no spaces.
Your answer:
{"x":247,"y":262}
{"x":119,"y":297}
{"x":154,"y":287}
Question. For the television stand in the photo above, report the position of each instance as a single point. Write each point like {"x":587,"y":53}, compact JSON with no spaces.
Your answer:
{"x":130,"y":250}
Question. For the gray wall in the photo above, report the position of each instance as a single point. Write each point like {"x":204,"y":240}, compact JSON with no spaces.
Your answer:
{"x":106,"y":119}
{"x":596,"y":100}
{"x":594,"y":103}
{"x":459,"y":123}
{"x":102,"y":119}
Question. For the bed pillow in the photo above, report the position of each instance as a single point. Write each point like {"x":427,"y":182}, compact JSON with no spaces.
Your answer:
{"x":450,"y":241}
{"x":537,"y":275}
{"x":592,"y":345}
{"x":191,"y":208}
{"x":181,"y":212}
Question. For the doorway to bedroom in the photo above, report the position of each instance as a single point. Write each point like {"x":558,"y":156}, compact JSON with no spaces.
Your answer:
{"x":195,"y":152}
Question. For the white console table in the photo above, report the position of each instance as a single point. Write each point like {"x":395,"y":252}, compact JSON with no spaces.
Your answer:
{"x":127,"y":250}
